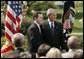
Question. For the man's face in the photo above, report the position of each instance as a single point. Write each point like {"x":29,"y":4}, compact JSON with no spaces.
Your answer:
{"x":40,"y":18}
{"x":53,"y":16}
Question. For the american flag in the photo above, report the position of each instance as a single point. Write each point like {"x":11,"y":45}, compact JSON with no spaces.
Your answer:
{"x":66,"y":24}
{"x":68,"y":13}
{"x":12,"y":24}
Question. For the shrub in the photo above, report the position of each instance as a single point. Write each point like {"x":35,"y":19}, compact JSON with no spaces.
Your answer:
{"x":24,"y":27}
{"x":27,"y":21}
{"x":2,"y":29}
{"x":2,"y":41}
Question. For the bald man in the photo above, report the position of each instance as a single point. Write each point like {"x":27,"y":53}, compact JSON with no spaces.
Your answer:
{"x":73,"y":45}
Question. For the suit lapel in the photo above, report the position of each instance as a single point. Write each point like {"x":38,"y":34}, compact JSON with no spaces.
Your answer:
{"x":36,"y":27}
{"x":55,"y":28}
{"x":48,"y":27}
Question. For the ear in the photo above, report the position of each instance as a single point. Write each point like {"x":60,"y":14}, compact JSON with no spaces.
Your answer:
{"x":67,"y":45}
{"x":48,"y":16}
{"x":35,"y":18}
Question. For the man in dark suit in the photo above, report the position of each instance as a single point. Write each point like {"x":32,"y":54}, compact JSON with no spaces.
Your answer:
{"x":52,"y":31}
{"x":34,"y":33}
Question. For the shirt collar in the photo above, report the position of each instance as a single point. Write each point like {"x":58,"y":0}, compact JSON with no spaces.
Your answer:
{"x":50,"y":22}
{"x":36,"y":23}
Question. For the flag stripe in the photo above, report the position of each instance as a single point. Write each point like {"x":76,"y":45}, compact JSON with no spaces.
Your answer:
{"x":10,"y":27}
{"x":5,"y":44}
{"x":16,"y":24}
{"x":6,"y":49}
{"x":18,"y":27}
{"x":9,"y":21}
{"x":20,"y":16}
{"x":7,"y":35}
{"x":18,"y":19}
{"x":11,"y":11}
{"x":5,"y":52}
{"x":10,"y":42}
{"x":11,"y":17}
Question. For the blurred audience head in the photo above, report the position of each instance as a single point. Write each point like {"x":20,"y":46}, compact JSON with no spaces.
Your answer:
{"x":78,"y":53}
{"x":12,"y":55}
{"x":25,"y":54}
{"x":42,"y":50}
{"x":53,"y":53}
{"x":18,"y":40}
{"x":73,"y":42}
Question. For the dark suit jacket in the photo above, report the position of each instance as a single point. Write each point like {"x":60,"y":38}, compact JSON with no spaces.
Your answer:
{"x":34,"y":38}
{"x":58,"y":39}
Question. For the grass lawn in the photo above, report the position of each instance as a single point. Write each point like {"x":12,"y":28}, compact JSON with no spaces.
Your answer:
{"x":78,"y":27}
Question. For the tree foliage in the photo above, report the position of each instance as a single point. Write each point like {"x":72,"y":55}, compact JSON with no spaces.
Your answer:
{"x":42,"y":5}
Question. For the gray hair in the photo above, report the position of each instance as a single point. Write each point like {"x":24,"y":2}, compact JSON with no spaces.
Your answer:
{"x":73,"y":42}
{"x":78,"y":53}
{"x":12,"y":54}
{"x":18,"y":39}
{"x":25,"y":54}
{"x":54,"y":53}
{"x":50,"y":10}
{"x":43,"y":49}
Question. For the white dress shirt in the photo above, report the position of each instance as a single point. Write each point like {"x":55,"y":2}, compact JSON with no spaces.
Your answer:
{"x":50,"y":23}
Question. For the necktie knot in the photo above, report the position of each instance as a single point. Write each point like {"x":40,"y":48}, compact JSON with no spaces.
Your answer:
{"x":52,"y":25}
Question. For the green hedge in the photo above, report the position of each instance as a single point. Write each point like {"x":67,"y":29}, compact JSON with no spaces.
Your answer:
{"x":24,"y":27}
{"x":26,"y":22}
{"x":2,"y":29}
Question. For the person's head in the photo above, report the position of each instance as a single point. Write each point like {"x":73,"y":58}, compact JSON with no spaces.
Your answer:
{"x":42,"y":50}
{"x":73,"y":42}
{"x":51,"y":14}
{"x":38,"y":17}
{"x":18,"y":40}
{"x":12,"y":54}
{"x":53,"y":53}
{"x":78,"y":53}
{"x":25,"y":55}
